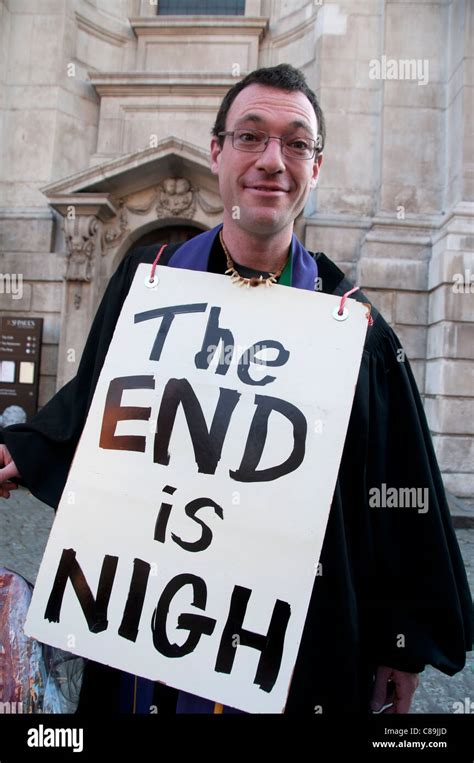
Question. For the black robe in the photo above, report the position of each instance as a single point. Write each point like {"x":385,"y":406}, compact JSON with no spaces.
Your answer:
{"x":393,"y":589}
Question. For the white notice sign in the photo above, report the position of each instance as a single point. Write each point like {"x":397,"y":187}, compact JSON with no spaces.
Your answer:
{"x":187,"y":539}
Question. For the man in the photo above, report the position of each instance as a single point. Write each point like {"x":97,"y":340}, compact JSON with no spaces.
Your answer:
{"x":393,"y":595}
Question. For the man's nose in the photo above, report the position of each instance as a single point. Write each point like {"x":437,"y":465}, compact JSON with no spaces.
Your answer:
{"x":271,"y":160}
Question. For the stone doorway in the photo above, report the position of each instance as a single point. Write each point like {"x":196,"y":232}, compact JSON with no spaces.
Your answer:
{"x":168,"y":234}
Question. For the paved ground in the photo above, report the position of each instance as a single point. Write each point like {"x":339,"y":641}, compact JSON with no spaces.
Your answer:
{"x":24,"y":529}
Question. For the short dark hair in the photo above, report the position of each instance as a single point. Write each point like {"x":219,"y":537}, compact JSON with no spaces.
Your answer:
{"x":283,"y":77}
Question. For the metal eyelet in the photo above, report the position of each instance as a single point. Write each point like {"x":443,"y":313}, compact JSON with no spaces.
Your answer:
{"x":151,"y":283}
{"x":343,"y":316}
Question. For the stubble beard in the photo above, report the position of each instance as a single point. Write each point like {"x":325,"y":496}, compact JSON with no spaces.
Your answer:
{"x":264,"y":224}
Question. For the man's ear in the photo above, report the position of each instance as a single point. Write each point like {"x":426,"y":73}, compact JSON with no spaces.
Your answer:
{"x":215,"y":154}
{"x":316,"y":167}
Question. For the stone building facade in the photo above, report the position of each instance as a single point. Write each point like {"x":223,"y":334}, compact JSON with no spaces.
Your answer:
{"x":106,"y":109}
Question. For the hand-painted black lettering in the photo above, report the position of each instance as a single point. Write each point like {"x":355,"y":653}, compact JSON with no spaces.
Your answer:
{"x":247,"y":471}
{"x":95,"y":610}
{"x":114,"y":412}
{"x":207,"y":444}
{"x":163,"y":516}
{"x":168,"y":314}
{"x":197,"y":625}
{"x":191,"y":510}
{"x":213,"y":337}
{"x":250,"y":356}
{"x":136,"y":595}
{"x":269,"y":644}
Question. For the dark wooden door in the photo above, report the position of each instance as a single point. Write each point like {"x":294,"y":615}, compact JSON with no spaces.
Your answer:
{"x":170,"y":234}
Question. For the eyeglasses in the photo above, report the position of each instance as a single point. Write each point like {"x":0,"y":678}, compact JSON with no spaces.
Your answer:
{"x":256,"y":141}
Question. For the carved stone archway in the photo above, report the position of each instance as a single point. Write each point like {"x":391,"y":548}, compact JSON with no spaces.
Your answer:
{"x":169,"y":234}
{"x":106,"y":209}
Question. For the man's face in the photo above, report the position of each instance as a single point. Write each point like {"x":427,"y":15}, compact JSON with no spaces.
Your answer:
{"x":246,"y":179}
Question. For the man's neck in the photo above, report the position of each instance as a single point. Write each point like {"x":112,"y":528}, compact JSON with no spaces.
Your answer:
{"x":266,"y":253}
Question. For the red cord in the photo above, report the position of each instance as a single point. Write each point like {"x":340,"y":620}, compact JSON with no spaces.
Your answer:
{"x":343,"y":299}
{"x":155,"y":263}
{"x":339,"y":312}
{"x":343,"y":302}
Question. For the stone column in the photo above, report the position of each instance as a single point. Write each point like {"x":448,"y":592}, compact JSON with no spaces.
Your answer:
{"x":450,"y":361}
{"x":396,"y":252}
{"x":82,"y":235}
{"x":83,"y":214}
{"x":450,"y":349}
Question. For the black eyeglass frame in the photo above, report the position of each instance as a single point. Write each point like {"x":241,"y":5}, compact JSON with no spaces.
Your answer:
{"x":231,"y":133}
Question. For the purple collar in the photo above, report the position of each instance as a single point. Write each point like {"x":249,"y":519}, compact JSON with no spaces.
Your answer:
{"x":194,"y":255}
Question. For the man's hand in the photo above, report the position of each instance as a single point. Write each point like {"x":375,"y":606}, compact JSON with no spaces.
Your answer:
{"x":393,"y":686}
{"x":7,"y":472}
